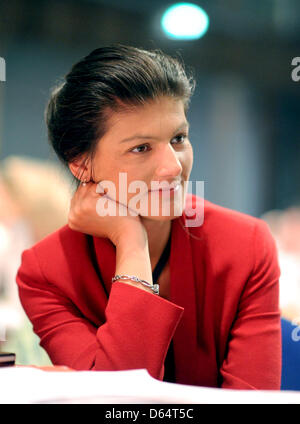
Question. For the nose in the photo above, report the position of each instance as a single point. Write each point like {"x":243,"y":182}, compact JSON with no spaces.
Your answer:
{"x":169,"y":165}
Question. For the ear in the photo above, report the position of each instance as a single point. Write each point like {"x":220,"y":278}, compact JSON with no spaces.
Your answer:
{"x":79,"y":168}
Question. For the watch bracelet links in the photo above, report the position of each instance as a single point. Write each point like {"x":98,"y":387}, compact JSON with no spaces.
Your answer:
{"x":153,"y":287}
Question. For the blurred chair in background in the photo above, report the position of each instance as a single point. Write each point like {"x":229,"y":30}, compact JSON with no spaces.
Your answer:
{"x":34,"y":202}
{"x":290,"y":376}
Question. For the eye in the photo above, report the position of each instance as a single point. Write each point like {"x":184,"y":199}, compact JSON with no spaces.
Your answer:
{"x":180,"y":138}
{"x":144,"y":148}
{"x":137,"y":149}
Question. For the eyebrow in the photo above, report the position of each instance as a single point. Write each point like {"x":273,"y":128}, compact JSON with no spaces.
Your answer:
{"x":141,"y":136}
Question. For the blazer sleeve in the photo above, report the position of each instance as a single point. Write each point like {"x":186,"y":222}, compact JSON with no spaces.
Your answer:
{"x":253,"y":360}
{"x":136,"y":333}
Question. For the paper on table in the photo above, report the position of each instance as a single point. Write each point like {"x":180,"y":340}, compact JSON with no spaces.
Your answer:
{"x":31,"y":385}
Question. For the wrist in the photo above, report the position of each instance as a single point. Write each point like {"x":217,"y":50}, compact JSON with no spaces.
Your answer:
{"x":134,"y":262}
{"x":133,"y":278}
{"x":136,"y":282}
{"x":138,"y":243}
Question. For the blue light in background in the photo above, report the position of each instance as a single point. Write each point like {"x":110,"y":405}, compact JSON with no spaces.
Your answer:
{"x":185,"y":21}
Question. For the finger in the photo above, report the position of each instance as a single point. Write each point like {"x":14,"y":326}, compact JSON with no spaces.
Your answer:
{"x":103,"y":193}
{"x":100,"y":189}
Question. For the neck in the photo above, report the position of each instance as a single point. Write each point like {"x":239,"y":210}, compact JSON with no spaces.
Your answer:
{"x":158,"y":234}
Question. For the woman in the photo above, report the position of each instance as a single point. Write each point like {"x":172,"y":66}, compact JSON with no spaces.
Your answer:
{"x":89,"y":287}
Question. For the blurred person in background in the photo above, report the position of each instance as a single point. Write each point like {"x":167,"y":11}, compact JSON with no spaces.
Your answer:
{"x":34,"y":197}
{"x":285,"y":228}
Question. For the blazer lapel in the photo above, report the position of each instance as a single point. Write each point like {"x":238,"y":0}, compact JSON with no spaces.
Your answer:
{"x":183,"y":294}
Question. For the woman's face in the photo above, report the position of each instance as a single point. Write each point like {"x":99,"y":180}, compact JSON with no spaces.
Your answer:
{"x":149,"y":143}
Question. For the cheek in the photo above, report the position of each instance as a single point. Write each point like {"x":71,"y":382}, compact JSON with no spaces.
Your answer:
{"x":127,"y":180}
{"x":188,"y":160}
{"x":105,"y":169}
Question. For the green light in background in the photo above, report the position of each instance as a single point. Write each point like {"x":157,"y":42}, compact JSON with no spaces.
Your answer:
{"x":185,"y":21}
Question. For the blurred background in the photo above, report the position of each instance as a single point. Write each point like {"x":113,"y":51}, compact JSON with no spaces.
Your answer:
{"x":244,"y":120}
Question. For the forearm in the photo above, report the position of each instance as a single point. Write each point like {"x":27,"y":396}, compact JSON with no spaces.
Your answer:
{"x":133,"y":328}
{"x":137,"y":331}
{"x":132,"y":258}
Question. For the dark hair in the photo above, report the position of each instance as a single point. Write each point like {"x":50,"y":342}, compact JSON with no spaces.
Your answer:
{"x":111,"y":78}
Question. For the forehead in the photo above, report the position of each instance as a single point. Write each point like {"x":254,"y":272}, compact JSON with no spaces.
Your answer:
{"x":160,"y":113}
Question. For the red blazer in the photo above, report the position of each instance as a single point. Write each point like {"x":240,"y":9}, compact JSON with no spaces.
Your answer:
{"x":223,"y":313}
